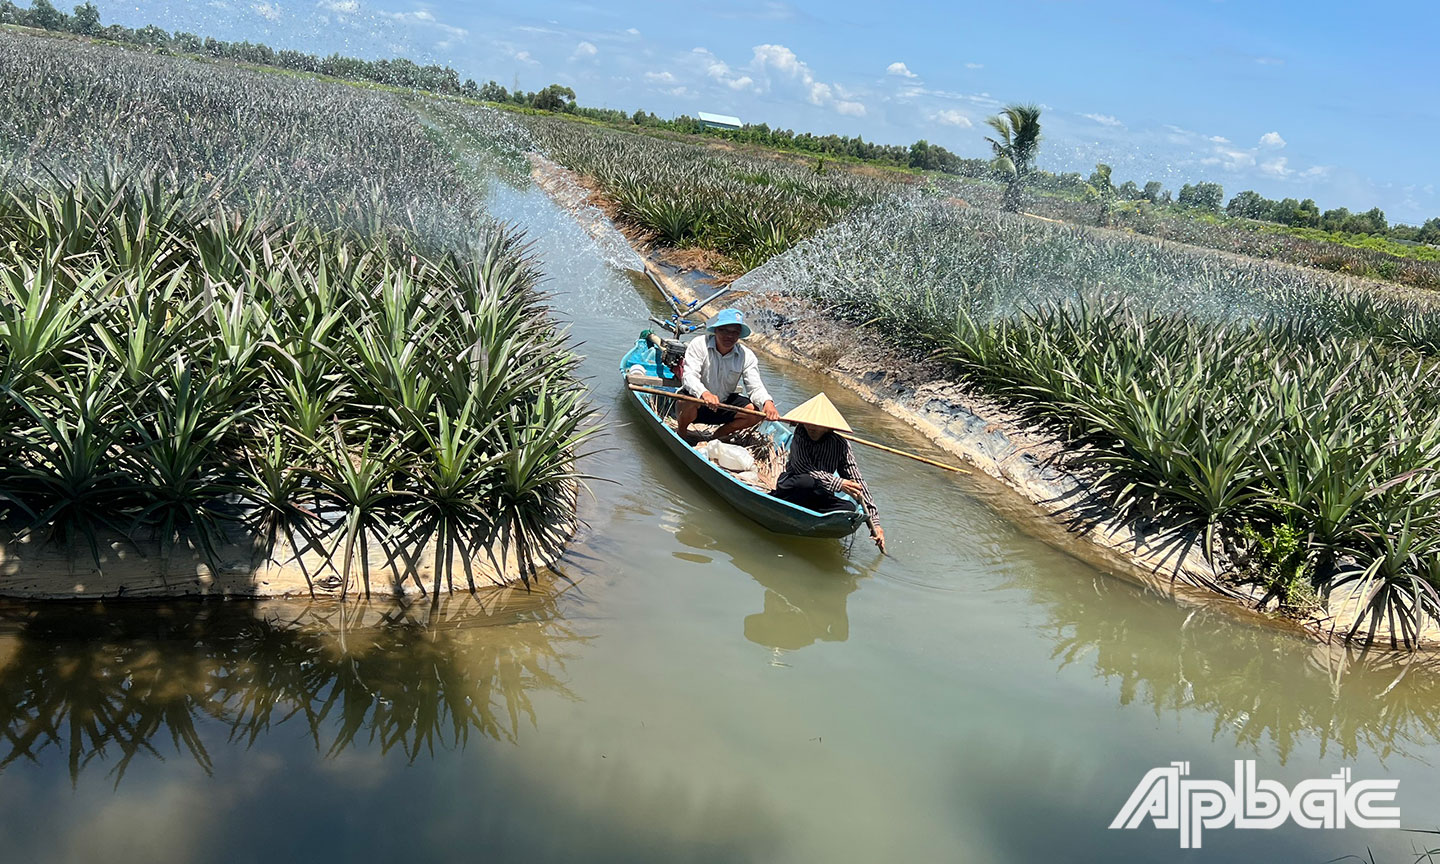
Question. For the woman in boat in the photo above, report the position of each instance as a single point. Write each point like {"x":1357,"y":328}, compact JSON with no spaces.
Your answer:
{"x":821,"y":465}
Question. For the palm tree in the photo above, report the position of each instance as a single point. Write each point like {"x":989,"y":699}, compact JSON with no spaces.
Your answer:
{"x":1018,"y":131}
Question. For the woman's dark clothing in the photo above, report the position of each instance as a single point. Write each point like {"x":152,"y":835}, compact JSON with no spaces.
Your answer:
{"x":806,"y":491}
{"x":810,"y":480}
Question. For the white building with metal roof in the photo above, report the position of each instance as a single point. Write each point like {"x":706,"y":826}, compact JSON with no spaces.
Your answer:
{"x":720,"y":121}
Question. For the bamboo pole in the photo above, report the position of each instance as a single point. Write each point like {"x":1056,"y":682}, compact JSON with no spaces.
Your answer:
{"x":753,"y":413}
{"x":917,"y":457}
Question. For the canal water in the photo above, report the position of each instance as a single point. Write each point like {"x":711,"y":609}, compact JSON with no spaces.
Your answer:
{"x":694,"y":688}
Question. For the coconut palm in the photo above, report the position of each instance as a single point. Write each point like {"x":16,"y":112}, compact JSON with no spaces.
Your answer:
{"x":1018,"y":131}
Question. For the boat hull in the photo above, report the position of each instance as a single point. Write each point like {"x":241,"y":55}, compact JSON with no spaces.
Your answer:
{"x":779,"y":516}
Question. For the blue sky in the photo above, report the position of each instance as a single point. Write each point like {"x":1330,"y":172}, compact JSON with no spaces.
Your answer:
{"x":1335,"y":101}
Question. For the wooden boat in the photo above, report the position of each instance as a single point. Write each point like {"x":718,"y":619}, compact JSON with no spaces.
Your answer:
{"x":754,"y":501}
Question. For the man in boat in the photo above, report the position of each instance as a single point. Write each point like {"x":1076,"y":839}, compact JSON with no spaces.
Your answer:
{"x":822,"y":465}
{"x":715,"y":365}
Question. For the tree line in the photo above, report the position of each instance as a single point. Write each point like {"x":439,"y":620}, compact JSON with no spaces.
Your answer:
{"x":399,"y":72}
{"x":1013,"y":163}
{"x":1205,"y":197}
{"x":1306,"y":214}
{"x":1210,"y":198}
{"x":921,"y":155}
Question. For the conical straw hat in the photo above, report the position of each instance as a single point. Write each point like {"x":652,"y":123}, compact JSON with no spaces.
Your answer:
{"x":819,"y":412}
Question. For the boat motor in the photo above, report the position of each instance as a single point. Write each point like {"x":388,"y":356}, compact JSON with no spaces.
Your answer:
{"x":673,"y":356}
{"x":669,"y":353}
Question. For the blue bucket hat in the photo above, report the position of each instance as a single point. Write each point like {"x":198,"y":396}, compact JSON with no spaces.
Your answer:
{"x":728,"y":316}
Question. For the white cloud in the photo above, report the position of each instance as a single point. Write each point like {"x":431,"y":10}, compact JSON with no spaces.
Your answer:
{"x":974,"y":65}
{"x":344,"y":7}
{"x":524,"y":57}
{"x":268,"y":11}
{"x":1269,"y":61}
{"x":425,"y":18}
{"x":1276,"y":167}
{"x":925,"y":99}
{"x":719,"y":70}
{"x":1103,"y":119}
{"x":584,"y":50}
{"x":1216,"y":151}
{"x":632,"y":31}
{"x":782,"y":59}
{"x":660,"y":77}
{"x":952,"y":117}
{"x":1235,"y":159}
{"x":775,"y":68}
{"x":900,"y":69}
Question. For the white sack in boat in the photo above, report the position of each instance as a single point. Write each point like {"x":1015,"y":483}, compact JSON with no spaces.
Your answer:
{"x":731,"y":457}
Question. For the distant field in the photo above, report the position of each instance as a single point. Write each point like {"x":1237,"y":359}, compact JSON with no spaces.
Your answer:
{"x":1355,"y":241}
{"x":1365,"y":256}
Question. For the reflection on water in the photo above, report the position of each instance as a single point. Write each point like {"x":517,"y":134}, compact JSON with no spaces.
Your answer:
{"x":105,"y":684}
{"x":805,"y":593}
{"x":801,"y":609}
{"x":1268,"y":690}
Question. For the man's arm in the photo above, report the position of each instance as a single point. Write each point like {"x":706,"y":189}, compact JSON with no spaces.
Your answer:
{"x":755,"y":388}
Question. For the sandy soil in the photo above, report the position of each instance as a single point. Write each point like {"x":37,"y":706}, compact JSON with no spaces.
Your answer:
{"x":311,"y":566}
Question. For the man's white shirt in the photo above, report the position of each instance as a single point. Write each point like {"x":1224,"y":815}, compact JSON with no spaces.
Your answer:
{"x":707,"y":369}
